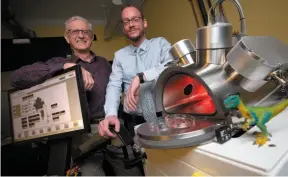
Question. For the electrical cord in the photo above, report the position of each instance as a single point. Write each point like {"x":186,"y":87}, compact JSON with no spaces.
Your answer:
{"x":213,"y":12}
{"x":216,"y":2}
{"x":112,"y":129}
{"x":129,"y":163}
{"x":125,"y":152}
{"x":221,"y":9}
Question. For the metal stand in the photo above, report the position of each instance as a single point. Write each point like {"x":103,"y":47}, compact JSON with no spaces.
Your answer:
{"x":59,"y":158}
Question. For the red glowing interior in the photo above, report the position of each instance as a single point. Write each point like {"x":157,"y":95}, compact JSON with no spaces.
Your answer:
{"x":179,"y":98}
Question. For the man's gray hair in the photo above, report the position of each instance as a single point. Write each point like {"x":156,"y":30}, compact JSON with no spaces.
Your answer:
{"x":77,"y":18}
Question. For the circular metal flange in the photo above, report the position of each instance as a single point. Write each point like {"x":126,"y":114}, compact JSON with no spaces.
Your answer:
{"x":201,"y":132}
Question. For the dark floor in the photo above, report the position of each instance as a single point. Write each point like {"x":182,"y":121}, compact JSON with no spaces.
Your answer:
{"x":23,"y":160}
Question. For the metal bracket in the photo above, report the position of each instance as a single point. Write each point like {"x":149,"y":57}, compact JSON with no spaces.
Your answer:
{"x":278,"y":75}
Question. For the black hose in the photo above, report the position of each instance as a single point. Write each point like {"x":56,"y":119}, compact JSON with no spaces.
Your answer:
{"x":203,"y":11}
{"x":194,"y":13}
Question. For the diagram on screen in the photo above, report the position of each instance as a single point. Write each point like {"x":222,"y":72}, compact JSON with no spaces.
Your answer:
{"x":43,"y":111}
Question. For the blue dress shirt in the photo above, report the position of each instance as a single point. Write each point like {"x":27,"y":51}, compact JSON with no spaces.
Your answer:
{"x":154,"y":52}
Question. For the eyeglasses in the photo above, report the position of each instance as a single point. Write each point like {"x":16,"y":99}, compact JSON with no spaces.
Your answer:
{"x":133,"y":20}
{"x":76,"y":32}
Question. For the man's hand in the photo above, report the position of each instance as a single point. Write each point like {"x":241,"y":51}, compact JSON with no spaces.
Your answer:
{"x":132,"y":97}
{"x":68,"y":65}
{"x":103,"y":127}
{"x":88,"y":79}
{"x":87,"y":76}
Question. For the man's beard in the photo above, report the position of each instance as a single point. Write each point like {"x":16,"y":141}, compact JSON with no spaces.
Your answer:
{"x":137,"y":38}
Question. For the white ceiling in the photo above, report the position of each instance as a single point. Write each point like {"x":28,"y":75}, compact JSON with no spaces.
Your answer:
{"x":37,"y":12}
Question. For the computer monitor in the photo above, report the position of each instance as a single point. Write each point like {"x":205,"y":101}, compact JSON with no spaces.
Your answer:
{"x":54,"y":109}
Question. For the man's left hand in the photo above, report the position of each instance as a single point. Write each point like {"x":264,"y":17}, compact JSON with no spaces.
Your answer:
{"x":133,"y":94}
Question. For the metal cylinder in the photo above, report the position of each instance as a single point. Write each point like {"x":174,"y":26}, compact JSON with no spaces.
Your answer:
{"x":184,"y":52}
{"x":216,"y":56}
{"x":252,"y":86}
{"x":216,"y":36}
{"x":255,"y":57}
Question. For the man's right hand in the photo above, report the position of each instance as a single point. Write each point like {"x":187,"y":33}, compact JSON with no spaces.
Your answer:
{"x":103,"y":126}
{"x":87,"y":76}
{"x":68,"y":65}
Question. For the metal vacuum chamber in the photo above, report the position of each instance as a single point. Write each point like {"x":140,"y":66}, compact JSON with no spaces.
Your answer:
{"x":190,"y":92}
{"x":190,"y":98}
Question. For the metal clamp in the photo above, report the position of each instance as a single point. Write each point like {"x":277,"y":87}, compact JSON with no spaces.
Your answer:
{"x":278,"y":75}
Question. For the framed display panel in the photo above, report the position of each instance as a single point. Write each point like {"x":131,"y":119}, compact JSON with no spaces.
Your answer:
{"x":54,"y":109}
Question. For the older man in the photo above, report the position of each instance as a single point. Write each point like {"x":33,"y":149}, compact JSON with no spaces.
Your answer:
{"x":95,"y":70}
